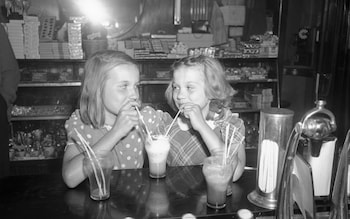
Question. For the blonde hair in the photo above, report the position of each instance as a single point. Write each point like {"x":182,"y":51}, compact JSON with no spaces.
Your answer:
{"x":217,"y":88}
{"x":95,"y":77}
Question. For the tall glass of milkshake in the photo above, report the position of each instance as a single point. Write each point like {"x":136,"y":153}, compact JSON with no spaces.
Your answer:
{"x":217,"y":174}
{"x":157,"y":150}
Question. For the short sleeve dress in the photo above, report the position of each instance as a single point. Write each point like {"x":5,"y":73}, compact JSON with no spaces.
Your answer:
{"x":128,"y":152}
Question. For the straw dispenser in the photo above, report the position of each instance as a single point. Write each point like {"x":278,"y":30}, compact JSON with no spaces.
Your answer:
{"x":274,"y":129}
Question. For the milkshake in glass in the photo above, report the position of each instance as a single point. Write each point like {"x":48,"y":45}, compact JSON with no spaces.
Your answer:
{"x":157,"y":150}
{"x":217,"y":175}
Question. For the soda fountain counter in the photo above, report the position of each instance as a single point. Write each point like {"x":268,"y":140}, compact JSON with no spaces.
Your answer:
{"x":133,"y":195}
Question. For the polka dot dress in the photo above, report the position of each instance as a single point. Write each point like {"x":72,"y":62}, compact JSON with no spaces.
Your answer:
{"x":129,"y":152}
{"x":157,"y":121}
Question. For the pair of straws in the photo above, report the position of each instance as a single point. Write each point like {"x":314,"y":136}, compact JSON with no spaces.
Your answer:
{"x":227,"y":148}
{"x":144,"y":124}
{"x":92,"y":157}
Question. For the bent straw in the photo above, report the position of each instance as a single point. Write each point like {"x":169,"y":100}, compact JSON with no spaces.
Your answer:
{"x":231,"y":139}
{"x":88,"y":148}
{"x":239,"y":145}
{"x":143,"y":122}
{"x":90,"y":152}
{"x":225,"y":148}
{"x":172,"y":123}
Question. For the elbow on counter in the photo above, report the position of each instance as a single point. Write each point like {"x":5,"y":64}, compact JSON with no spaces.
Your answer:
{"x":70,"y":179}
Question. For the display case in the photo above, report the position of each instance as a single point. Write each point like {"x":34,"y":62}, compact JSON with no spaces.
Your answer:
{"x":47,"y":94}
{"x":49,"y":91}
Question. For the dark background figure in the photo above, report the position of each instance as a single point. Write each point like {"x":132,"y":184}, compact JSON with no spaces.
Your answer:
{"x":9,"y":79}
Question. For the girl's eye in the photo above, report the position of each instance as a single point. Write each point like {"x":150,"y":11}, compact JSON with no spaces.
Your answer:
{"x":175,"y":87}
{"x":123,"y":86}
{"x":190,"y":88}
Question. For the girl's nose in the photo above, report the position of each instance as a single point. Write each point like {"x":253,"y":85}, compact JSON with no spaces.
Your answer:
{"x":180,"y":94}
{"x":134,"y":94}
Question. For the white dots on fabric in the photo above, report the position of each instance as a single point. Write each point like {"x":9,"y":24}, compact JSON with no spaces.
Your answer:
{"x":128,"y":157}
{"x":123,"y":165}
{"x":74,"y":123}
{"x":75,"y":118}
{"x":135,"y":150}
{"x":128,"y":187}
{"x":127,"y":145}
{"x":128,"y":175}
{"x":139,"y":140}
{"x":88,"y":136}
{"x":81,"y":127}
{"x":132,"y":136}
{"x":150,"y":120}
{"x":135,"y":162}
{"x":121,"y":152}
{"x":140,"y":152}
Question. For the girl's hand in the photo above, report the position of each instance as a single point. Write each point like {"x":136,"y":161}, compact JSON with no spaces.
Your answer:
{"x":127,"y":118}
{"x":194,"y":113}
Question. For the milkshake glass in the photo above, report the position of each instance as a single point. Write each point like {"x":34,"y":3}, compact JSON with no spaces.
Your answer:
{"x":217,"y":174}
{"x":157,"y":150}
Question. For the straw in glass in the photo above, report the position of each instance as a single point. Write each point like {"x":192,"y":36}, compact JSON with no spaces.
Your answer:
{"x":225,"y":149}
{"x":91,"y":155}
{"x":172,"y":123}
{"x":143,"y":122}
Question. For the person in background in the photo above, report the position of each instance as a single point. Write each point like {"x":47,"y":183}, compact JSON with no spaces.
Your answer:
{"x":9,"y":79}
{"x":107,"y":117}
{"x":200,"y":91}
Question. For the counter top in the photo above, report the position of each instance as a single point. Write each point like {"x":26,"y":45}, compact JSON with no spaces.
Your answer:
{"x":133,"y":194}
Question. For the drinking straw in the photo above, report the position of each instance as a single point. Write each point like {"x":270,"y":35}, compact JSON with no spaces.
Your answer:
{"x":231,"y":139}
{"x":226,"y":137}
{"x":236,"y":148}
{"x":143,"y":122}
{"x":172,"y":123}
{"x":91,"y":155}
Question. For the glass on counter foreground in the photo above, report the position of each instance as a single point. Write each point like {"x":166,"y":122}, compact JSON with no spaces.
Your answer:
{"x":157,"y":149}
{"x":217,"y":175}
{"x":98,"y":169}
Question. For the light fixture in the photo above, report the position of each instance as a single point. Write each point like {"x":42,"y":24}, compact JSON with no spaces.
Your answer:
{"x":93,"y":10}
{"x":177,"y":12}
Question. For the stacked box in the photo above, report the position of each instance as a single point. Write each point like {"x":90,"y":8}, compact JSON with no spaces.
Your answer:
{"x":54,"y":50}
{"x":259,"y":98}
{"x":31,"y":37}
{"x":196,"y":40}
{"x":75,"y":41}
{"x":16,"y":37}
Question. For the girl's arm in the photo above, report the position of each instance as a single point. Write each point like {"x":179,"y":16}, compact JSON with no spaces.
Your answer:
{"x":240,"y":158}
{"x":216,"y":143}
{"x":72,"y":167}
{"x":213,"y":141}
